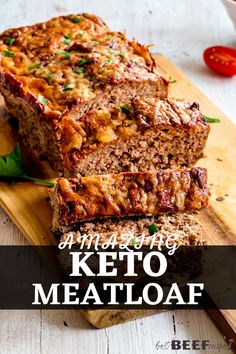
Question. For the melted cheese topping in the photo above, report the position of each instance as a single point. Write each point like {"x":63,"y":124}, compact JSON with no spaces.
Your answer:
{"x":65,"y":60}
{"x":126,"y":194}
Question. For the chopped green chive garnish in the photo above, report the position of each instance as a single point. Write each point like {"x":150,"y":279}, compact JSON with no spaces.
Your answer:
{"x":9,"y":40}
{"x":79,"y":70}
{"x":65,"y":54}
{"x":172,"y":81}
{"x":109,"y":60}
{"x":76,"y":19}
{"x":152,"y":229}
{"x":124,"y":109}
{"x":42,"y":73}
{"x":95,"y":43}
{"x":68,"y":87}
{"x":133,"y":241}
{"x":211,"y":120}
{"x":111,"y":52}
{"x":82,"y":33}
{"x":33,"y":67}
{"x":107,"y":39}
{"x":84,"y":61}
{"x":51,"y":76}
{"x":122,"y":55}
{"x":43,"y":100}
{"x":67,"y":39}
{"x":90,"y":78}
{"x":8,"y":54}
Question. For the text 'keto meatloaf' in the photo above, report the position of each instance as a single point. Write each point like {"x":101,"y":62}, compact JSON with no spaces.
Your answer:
{"x":127,"y":194}
{"x":63,"y":68}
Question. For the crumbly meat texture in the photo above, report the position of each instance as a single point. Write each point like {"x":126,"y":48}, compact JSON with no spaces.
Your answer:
{"x":180,"y":228}
{"x":64,"y":67}
{"x":127,"y":194}
{"x":141,"y":135}
{"x":172,"y":231}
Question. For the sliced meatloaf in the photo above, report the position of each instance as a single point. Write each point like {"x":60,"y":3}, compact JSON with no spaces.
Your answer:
{"x":171,"y":231}
{"x":65,"y":67}
{"x":139,"y":135}
{"x":127,"y":194}
{"x":180,"y":228}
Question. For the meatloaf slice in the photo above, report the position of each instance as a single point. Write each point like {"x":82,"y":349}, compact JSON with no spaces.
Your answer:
{"x":64,"y":67}
{"x":127,"y":194}
{"x":141,"y":135}
{"x":180,"y":228}
{"x":172,"y":231}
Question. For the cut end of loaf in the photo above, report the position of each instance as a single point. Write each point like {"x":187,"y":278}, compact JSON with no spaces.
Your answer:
{"x":139,"y":135}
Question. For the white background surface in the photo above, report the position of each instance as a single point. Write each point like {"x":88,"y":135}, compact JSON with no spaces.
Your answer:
{"x":181,"y":30}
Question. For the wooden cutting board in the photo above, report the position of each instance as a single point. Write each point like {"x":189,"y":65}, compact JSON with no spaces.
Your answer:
{"x":26,"y":203}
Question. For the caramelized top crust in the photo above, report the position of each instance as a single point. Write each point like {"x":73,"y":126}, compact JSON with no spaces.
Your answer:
{"x":64,"y":61}
{"x":98,"y":127}
{"x":42,"y":40}
{"x":127,"y":194}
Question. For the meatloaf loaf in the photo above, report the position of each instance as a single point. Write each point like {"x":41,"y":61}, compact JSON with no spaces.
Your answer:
{"x":127,"y":194}
{"x":65,"y":67}
{"x":140,"y":135}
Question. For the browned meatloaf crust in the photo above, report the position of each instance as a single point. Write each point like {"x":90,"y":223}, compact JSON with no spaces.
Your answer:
{"x":127,"y":194}
{"x":143,"y":134}
{"x":63,"y":68}
{"x":181,"y":228}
